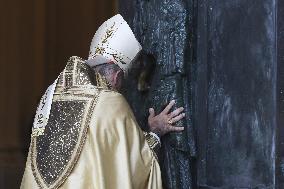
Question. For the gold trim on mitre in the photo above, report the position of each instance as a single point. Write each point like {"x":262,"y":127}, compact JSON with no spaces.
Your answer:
{"x":114,"y":42}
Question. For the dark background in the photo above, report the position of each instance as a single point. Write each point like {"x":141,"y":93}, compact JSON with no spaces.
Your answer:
{"x":36,"y":39}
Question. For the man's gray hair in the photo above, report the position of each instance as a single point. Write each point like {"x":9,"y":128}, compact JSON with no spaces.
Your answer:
{"x":107,"y":69}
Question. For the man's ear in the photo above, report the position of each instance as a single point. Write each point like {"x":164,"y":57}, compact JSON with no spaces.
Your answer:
{"x":116,"y":75}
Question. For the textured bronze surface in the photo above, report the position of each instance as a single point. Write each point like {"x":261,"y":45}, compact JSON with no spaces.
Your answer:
{"x":165,"y":30}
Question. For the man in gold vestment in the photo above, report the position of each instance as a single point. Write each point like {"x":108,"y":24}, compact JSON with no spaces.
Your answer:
{"x":85,"y":135}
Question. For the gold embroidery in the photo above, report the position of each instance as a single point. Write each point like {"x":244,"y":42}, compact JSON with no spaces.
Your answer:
{"x":76,"y":154}
{"x":117,"y":58}
{"x":77,"y":93}
{"x":153,"y":143}
{"x":37,"y":131}
{"x":109,"y":33}
{"x":104,"y":50}
{"x":100,"y":50}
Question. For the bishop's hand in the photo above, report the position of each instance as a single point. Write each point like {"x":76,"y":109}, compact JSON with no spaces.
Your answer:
{"x":162,"y":123}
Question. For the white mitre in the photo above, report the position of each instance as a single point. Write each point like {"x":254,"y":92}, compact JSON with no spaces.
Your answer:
{"x":114,"y":42}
